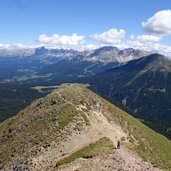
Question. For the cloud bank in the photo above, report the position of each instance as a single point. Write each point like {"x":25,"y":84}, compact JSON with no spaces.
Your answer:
{"x":160,"y":23}
{"x":61,"y":41}
{"x":146,"y":38}
{"x":111,"y":37}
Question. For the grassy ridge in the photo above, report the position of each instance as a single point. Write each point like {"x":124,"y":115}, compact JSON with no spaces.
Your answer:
{"x":42,"y":122}
{"x":150,"y":145}
{"x":37,"y":125}
{"x":101,"y":147}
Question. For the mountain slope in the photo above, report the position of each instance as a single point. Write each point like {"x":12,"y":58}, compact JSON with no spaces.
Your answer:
{"x":73,"y":125}
{"x":142,"y":86}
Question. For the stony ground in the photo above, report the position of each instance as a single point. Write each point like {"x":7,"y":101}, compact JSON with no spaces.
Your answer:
{"x":120,"y":160}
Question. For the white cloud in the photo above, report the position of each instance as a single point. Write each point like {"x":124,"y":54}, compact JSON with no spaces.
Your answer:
{"x":112,"y":36}
{"x":146,"y":38}
{"x":15,"y":46}
{"x":160,"y":23}
{"x":148,"y":46}
{"x":63,"y":41}
{"x":90,"y":47}
{"x":4,"y":46}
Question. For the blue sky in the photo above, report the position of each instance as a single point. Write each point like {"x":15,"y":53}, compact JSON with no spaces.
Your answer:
{"x":23,"y":21}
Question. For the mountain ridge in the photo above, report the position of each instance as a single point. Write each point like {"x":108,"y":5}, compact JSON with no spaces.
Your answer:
{"x":53,"y":132}
{"x":103,"y":54}
{"x":110,"y":54}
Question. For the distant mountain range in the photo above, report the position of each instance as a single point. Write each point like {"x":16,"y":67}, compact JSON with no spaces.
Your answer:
{"x":16,"y":51}
{"x":104,"y":54}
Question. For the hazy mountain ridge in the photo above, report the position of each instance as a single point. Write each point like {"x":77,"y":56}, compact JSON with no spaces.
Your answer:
{"x":103,"y":54}
{"x":16,"y":52}
{"x":55,"y":53}
{"x":110,"y":54}
{"x":54,"y":133}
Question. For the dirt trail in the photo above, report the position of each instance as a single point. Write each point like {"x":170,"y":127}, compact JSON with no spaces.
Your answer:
{"x":132,"y":162}
{"x":102,"y":125}
{"x":99,"y":127}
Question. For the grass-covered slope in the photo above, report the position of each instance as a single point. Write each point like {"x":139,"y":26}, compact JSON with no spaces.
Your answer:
{"x":64,"y":122}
